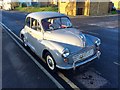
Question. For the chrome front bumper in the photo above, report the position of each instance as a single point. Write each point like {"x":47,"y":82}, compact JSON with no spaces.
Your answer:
{"x":68,"y":66}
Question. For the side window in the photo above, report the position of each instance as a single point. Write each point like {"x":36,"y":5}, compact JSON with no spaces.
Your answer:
{"x":28,"y":21}
{"x":35,"y":25}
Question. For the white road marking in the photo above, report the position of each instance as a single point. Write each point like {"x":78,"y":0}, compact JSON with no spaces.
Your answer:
{"x":94,"y":16}
{"x":111,"y":25}
{"x":104,"y":16}
{"x":116,"y":63}
{"x":35,"y":61}
{"x":68,"y":81}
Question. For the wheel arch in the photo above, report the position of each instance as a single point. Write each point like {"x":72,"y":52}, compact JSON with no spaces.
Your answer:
{"x":44,"y":52}
{"x":54,"y":54}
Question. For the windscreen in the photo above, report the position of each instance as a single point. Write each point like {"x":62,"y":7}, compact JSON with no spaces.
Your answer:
{"x":56,"y":23}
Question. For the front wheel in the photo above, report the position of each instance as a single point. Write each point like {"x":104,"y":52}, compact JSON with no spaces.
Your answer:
{"x":50,"y":62}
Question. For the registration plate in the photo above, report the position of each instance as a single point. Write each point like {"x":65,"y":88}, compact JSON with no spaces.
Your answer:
{"x":83,"y":55}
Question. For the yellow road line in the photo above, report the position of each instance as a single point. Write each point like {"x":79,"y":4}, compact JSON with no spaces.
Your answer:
{"x":68,"y":81}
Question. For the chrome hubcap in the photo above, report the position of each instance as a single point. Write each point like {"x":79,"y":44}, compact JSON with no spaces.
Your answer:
{"x":50,"y":62}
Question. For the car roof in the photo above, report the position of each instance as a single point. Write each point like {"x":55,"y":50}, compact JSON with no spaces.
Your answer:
{"x":43,"y":15}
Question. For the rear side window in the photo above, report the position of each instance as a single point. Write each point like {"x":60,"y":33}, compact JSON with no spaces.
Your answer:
{"x":28,"y":21}
{"x":35,"y":25}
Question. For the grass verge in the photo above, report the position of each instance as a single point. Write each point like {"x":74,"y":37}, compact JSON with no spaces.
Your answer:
{"x":36,"y":9}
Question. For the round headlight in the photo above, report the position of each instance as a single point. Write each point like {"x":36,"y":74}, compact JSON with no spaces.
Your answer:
{"x":98,"y":42}
{"x":66,"y":53}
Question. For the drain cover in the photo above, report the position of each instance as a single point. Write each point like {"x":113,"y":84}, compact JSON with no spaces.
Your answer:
{"x":91,"y":79}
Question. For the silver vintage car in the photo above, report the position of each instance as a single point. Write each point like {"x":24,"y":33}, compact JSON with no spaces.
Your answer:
{"x":52,"y":37}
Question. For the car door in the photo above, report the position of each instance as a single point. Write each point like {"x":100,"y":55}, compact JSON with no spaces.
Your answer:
{"x":28,"y":36}
{"x":36,"y":36}
{"x":27,"y":29}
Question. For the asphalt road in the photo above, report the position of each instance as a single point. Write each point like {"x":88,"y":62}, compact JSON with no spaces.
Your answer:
{"x":102,"y":73}
{"x":18,"y":70}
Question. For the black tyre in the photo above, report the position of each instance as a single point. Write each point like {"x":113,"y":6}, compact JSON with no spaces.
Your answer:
{"x":24,"y":41}
{"x":50,"y":61}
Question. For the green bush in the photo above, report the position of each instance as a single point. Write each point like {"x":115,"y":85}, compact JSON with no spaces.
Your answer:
{"x":114,"y":12}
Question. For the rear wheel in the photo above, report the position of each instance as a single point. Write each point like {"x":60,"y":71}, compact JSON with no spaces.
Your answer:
{"x":24,"y":41}
{"x":50,"y":61}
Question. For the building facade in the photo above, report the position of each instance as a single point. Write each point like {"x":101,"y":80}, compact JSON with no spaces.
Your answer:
{"x":87,"y":8}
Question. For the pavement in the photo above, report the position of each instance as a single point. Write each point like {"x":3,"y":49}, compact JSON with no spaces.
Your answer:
{"x":19,"y":71}
{"x":102,"y":73}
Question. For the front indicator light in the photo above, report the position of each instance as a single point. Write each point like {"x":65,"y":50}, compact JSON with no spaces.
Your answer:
{"x":65,"y":59}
